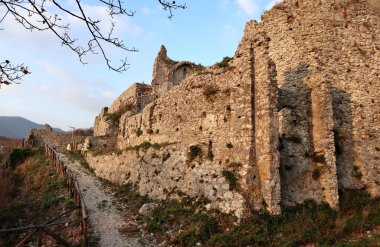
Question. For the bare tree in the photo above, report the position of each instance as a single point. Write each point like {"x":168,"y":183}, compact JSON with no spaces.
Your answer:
{"x":49,"y":15}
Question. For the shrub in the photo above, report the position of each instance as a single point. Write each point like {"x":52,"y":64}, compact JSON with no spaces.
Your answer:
{"x":84,"y":132}
{"x":19,"y":155}
{"x":224,"y":62}
{"x":356,"y":173}
{"x":149,"y":131}
{"x":194,"y":151}
{"x":319,"y":158}
{"x":209,"y":91}
{"x":115,"y":117}
{"x":139,"y":132}
{"x":128,"y":193}
{"x":231,"y":179}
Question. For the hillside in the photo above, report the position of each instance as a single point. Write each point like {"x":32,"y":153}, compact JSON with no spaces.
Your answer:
{"x":18,"y":127}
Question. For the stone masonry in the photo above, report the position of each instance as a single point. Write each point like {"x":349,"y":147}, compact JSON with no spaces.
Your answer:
{"x":294,"y":116}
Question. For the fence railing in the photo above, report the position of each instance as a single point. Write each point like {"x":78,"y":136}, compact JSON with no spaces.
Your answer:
{"x":75,"y":193}
{"x":73,"y":187}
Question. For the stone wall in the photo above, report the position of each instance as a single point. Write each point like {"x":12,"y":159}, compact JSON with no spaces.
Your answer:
{"x":57,"y":140}
{"x":295,"y":115}
{"x":137,"y":95}
{"x":327,"y":57}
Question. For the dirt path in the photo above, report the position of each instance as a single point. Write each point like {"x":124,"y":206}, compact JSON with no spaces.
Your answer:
{"x":105,"y":218}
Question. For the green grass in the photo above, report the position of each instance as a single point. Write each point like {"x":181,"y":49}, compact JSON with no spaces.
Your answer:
{"x":19,"y":155}
{"x":115,"y":117}
{"x":308,"y":223}
{"x":39,"y":194}
{"x":106,"y":151}
{"x":77,"y":156}
{"x":128,"y":194}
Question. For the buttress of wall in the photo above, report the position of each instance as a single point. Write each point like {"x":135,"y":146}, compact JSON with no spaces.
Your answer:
{"x":212,"y":110}
{"x":103,"y":125}
{"x":334,"y":44}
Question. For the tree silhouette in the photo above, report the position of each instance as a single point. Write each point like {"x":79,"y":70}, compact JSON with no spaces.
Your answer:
{"x":49,"y":15}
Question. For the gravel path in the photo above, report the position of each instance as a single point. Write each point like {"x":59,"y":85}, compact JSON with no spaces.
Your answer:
{"x":105,"y":218}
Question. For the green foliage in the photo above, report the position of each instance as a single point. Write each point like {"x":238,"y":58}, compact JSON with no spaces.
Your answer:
{"x":231,"y":179}
{"x":41,"y":194}
{"x":128,"y":194}
{"x":19,"y":155}
{"x":77,"y":156}
{"x":139,"y":132}
{"x":356,"y":173}
{"x":200,"y":228}
{"x":209,"y":91}
{"x":115,"y":117}
{"x":167,"y":216}
{"x":106,"y":151}
{"x":149,"y":131}
{"x":147,"y":144}
{"x":224,"y":62}
{"x":194,"y":151}
{"x":302,"y":225}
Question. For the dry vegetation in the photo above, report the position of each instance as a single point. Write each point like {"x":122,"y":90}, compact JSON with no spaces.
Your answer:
{"x":187,"y":223}
{"x":84,"y":132}
{"x":9,"y":142}
{"x":31,"y":192}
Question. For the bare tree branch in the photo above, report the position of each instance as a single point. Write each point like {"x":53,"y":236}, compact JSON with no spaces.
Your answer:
{"x":35,"y":16}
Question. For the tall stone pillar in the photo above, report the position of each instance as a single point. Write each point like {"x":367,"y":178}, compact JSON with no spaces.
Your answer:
{"x":323,"y":141}
{"x":266,"y":124}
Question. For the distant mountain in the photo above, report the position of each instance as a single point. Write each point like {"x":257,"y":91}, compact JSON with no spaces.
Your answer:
{"x":18,"y":127}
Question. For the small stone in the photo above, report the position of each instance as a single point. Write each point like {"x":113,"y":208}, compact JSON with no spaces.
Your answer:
{"x":147,"y":208}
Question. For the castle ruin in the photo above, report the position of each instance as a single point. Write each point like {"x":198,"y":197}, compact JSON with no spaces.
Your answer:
{"x":294,"y":116}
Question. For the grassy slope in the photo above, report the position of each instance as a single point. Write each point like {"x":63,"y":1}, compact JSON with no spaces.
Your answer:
{"x":186,"y":223}
{"x":31,"y":192}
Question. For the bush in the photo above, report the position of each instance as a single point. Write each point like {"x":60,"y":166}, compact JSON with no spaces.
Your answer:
{"x":194,"y":151}
{"x":224,"y":62}
{"x":231,"y":179}
{"x":139,"y":132}
{"x":19,"y":155}
{"x":84,"y":132}
{"x":209,"y":91}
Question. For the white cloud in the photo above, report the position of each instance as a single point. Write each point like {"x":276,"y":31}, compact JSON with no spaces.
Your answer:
{"x":248,"y":7}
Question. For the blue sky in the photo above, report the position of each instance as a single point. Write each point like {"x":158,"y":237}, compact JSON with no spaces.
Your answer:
{"x":63,"y":92}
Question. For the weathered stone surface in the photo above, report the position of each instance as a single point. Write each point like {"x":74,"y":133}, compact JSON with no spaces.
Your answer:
{"x":294,"y":116}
